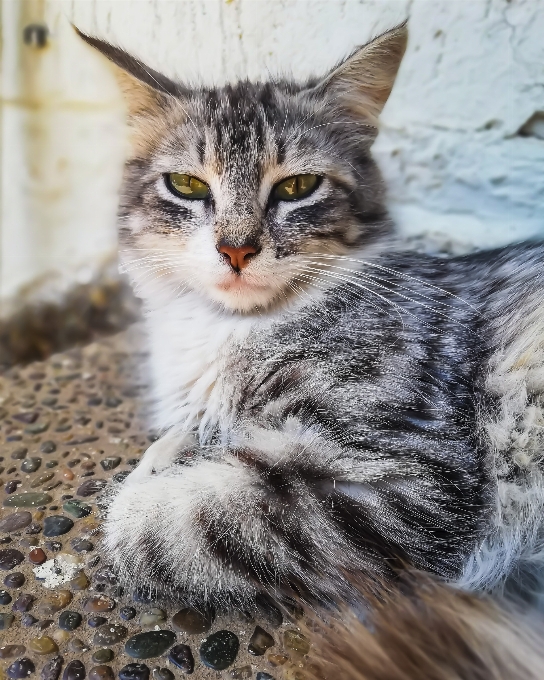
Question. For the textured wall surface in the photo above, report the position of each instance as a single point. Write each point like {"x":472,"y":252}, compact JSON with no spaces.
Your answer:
{"x":462,"y":144}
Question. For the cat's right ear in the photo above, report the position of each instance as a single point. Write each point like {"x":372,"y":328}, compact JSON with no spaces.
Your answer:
{"x":144,"y":90}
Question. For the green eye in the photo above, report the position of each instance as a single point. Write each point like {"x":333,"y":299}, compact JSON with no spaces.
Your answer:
{"x":296,"y":187}
{"x":187,"y":186}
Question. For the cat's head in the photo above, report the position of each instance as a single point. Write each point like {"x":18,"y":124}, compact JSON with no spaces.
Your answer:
{"x":247,"y":193}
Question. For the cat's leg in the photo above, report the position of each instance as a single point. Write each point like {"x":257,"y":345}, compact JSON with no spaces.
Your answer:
{"x":162,"y":453}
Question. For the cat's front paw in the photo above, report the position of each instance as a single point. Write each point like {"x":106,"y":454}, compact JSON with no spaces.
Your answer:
{"x":162,"y":454}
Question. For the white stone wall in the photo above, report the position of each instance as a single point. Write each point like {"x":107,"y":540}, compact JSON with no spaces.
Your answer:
{"x":462,"y":144}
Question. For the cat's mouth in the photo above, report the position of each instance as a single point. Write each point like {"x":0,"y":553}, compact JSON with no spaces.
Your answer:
{"x":240,"y":283}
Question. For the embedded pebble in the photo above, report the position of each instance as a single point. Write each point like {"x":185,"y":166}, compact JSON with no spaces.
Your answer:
{"x":110,"y":463}
{"x":91,"y":487}
{"x":51,"y":670}
{"x":296,"y":641}
{"x":33,"y":528}
{"x":99,"y":603}
{"x":101,"y":673}
{"x":78,"y":646}
{"x":81,"y":545}
{"x":134,"y":671}
{"x":182,"y":657}
{"x":106,"y":574}
{"x":70,"y":620}
{"x":191,"y":622}
{"x":28,"y":542}
{"x":37,"y":556}
{"x":28,"y":620}
{"x":162,"y":674}
{"x":219,"y":650}
{"x":80,"y":582}
{"x":61,"y":636}
{"x":56,"y":525}
{"x":11,"y":486}
{"x":6,"y":620}
{"x":96,"y":621}
{"x":51,"y":463}
{"x":15,"y":521}
{"x":261,"y":675}
{"x":54,"y":602}
{"x":21,"y":668}
{"x":48,"y":447}
{"x":19,"y":453}
{"x":127,"y":613}
{"x":27,"y":500}
{"x":9,"y":651}
{"x":150,"y":644}
{"x":5,"y":597}
{"x":10,"y":558}
{"x":102,"y":655}
{"x":109,"y":635}
{"x":31,"y":464}
{"x":42,"y":645}
{"x":241,"y":673}
{"x":75,"y":670}
{"x":260,"y":641}
{"x":45,"y":477}
{"x":152,"y":617}
{"x":23,"y":602}
{"x":77,"y":509}
{"x":14,"y":580}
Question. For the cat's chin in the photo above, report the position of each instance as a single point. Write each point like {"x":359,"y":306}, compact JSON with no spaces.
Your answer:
{"x":238,"y":294}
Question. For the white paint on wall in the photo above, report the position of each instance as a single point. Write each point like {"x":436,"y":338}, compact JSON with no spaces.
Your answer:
{"x":456,"y":164}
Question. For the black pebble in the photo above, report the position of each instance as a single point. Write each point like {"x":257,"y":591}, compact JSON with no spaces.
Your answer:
{"x":90,"y":487}
{"x":31,"y":464}
{"x":56,"y":525}
{"x":19,"y":453}
{"x":182,"y":657}
{"x":82,"y":545}
{"x":53,"y":546}
{"x":51,"y":670}
{"x":28,"y":620}
{"x":133,"y":461}
{"x":120,"y":477}
{"x":163,"y":674}
{"x":23,"y":602}
{"x":111,"y":462}
{"x":260,"y":642}
{"x":14,"y":580}
{"x":12,"y":485}
{"x":10,"y":558}
{"x":5,"y":539}
{"x":21,"y":668}
{"x":105,"y":574}
{"x":219,"y":650}
{"x":127,"y":613}
{"x":95,"y":621}
{"x":51,"y":463}
{"x":75,"y":670}
{"x":5,"y":597}
{"x":33,"y":528}
{"x":69,"y":620}
{"x":113,"y":402}
{"x":134,"y":671}
{"x":48,"y":447}
{"x":261,"y":675}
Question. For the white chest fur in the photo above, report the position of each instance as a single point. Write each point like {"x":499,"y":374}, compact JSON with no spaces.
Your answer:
{"x":190,"y":341}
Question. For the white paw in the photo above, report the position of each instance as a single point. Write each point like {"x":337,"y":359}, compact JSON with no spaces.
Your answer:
{"x":161,"y":454}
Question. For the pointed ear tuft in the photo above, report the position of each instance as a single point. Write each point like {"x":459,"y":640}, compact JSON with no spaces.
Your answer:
{"x":363,"y":82}
{"x":143,"y":88}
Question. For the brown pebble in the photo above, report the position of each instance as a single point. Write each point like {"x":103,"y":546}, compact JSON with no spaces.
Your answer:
{"x":277,"y":659}
{"x":43,"y":645}
{"x":80,"y":582}
{"x":39,"y":515}
{"x":45,"y":477}
{"x":100,"y":603}
{"x":37,"y":556}
{"x":88,"y":465}
{"x":54,"y":602}
{"x":78,"y":646}
{"x":296,"y":642}
{"x":9,"y":651}
{"x":101,"y":673}
{"x":61,"y":636}
{"x":68,"y":474}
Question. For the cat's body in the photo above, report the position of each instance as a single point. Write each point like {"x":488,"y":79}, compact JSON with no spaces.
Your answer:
{"x":329,"y":403}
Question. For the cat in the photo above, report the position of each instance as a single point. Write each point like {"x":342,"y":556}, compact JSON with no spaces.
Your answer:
{"x":329,"y":402}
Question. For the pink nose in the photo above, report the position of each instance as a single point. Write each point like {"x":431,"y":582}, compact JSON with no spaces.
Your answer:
{"x":238,"y":258}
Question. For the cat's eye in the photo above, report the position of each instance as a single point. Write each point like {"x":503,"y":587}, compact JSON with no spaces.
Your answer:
{"x":187,"y":186}
{"x":296,"y":187}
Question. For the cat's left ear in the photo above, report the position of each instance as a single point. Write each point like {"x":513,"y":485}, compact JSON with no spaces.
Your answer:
{"x":363,"y":82}
{"x":144,"y":89}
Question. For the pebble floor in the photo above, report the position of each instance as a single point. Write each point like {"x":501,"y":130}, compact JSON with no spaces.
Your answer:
{"x":67,"y":426}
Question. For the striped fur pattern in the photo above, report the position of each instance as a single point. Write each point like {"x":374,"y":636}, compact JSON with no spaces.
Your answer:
{"x":428,"y":631}
{"x":340,"y":405}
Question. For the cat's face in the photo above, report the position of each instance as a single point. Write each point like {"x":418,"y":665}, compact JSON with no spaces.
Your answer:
{"x":247,"y":193}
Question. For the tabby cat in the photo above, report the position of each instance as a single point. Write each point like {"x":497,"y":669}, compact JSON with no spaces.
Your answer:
{"x":330,"y":403}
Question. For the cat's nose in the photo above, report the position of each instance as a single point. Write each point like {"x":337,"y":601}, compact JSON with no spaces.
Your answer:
{"x":238,"y":258}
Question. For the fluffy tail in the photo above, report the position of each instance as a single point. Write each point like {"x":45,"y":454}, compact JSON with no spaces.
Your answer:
{"x":430,"y":631}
